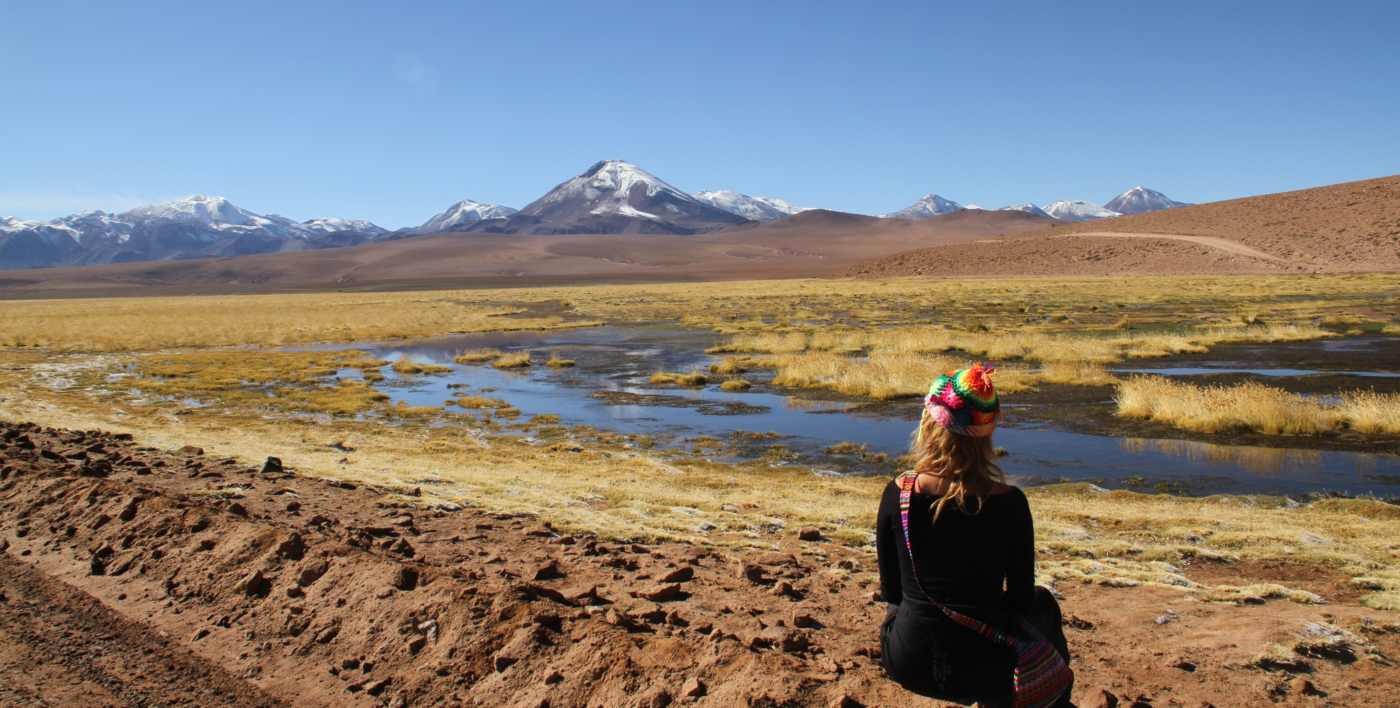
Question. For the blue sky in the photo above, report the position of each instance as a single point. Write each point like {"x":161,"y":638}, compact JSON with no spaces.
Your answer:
{"x":392,"y":111}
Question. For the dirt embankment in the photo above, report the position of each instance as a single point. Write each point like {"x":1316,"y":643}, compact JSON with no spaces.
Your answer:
{"x":135,"y":576}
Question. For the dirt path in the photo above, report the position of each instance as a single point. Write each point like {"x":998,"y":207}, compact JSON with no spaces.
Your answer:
{"x":1211,"y":241}
{"x":141,"y":577}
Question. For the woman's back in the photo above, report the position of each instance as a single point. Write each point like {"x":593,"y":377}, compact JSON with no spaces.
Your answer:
{"x":963,"y":559}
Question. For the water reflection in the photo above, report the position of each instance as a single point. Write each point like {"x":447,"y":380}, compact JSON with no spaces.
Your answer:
{"x":1254,"y":459}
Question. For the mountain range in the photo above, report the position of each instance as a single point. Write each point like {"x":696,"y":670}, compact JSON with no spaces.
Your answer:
{"x":611,"y":197}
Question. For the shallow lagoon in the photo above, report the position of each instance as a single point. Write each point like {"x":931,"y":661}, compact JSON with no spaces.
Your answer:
{"x":609,"y":389}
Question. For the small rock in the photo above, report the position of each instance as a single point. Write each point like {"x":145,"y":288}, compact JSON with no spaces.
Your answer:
{"x":326,"y":635}
{"x":295,"y":591}
{"x":312,"y":572}
{"x":661,"y":592}
{"x":553,"y":678}
{"x":200,"y":635}
{"x":503,"y":662}
{"x":1181,"y":663}
{"x":546,"y":571}
{"x":801,"y":619}
{"x":789,"y":640}
{"x":545,"y":617}
{"x":777,"y":559}
{"x":782,"y":587}
{"x":403,"y":578}
{"x":272,"y":466}
{"x":416,"y":644}
{"x":583,"y":595}
{"x":807,"y":533}
{"x":750,"y":572}
{"x":1301,"y":685}
{"x":693,"y":688}
{"x":844,"y":701}
{"x":237,"y":509}
{"x":1102,"y":699}
{"x":254,"y":583}
{"x":679,"y":575}
{"x":191,"y":450}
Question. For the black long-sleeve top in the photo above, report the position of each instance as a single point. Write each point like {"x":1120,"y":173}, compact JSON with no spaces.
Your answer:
{"x":963,"y":559}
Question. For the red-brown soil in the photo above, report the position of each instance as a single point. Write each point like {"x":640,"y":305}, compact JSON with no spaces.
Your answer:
{"x":124,"y":581}
{"x":1340,"y":228}
{"x":810,"y":244}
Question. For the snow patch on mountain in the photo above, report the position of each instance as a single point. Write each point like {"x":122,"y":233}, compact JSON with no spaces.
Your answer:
{"x":1140,"y":199}
{"x":753,"y":208}
{"x":463,"y":213}
{"x":930,"y":205}
{"x":1027,"y":207}
{"x":606,"y":188}
{"x":1078,"y":211}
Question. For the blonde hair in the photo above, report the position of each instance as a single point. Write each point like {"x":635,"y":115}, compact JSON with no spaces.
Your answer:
{"x":967,"y":463}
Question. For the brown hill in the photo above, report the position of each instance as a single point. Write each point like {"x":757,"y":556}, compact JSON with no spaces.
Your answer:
{"x":803,"y":245}
{"x":1339,"y":228}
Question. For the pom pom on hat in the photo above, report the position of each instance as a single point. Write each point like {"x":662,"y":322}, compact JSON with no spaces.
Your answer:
{"x":965,"y":402}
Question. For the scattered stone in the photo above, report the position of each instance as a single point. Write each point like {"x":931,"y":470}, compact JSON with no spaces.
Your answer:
{"x":1302,"y":686}
{"x":254,"y":583}
{"x":403,"y":578}
{"x":503,"y":662}
{"x":326,"y":635}
{"x":844,"y":701}
{"x":801,"y":619}
{"x":545,"y":617}
{"x":546,"y":571}
{"x":693,"y":688}
{"x":661,"y":592}
{"x":807,"y":533}
{"x":1181,"y":663}
{"x":776,"y":558}
{"x":781,"y":588}
{"x":583,"y":595}
{"x":785,"y":638}
{"x":751,"y":573}
{"x":1103,"y":699}
{"x":237,"y":509}
{"x":553,"y":678}
{"x":679,"y":575}
{"x":191,"y":450}
{"x":128,"y":512}
{"x":416,"y":644}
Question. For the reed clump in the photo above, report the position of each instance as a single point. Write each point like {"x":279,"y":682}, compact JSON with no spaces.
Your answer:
{"x":514,"y":360}
{"x":557,"y":363}
{"x":884,"y":374}
{"x":413,"y":365}
{"x":1080,"y":373}
{"x":689,"y":379}
{"x":1253,"y":406}
{"x":735,"y":385}
{"x":478,"y":402}
{"x":476,"y":356}
{"x":730,"y":365}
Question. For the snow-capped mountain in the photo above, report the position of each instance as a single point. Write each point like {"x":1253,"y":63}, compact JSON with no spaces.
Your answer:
{"x":615,"y":197}
{"x":1027,"y":207}
{"x":1140,"y":199}
{"x":754,"y":208}
{"x":461,"y":215}
{"x":1077,"y":211}
{"x":930,"y":205}
{"x":196,"y":227}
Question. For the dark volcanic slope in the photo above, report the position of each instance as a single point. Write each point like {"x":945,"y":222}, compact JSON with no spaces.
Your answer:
{"x":1345,"y":227}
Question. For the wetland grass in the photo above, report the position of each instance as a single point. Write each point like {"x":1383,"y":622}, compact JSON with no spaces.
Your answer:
{"x":689,"y":379}
{"x":1253,"y":406}
{"x":413,"y":365}
{"x":476,"y":356}
{"x":557,"y":363}
{"x":513,"y":360}
{"x":735,"y":385}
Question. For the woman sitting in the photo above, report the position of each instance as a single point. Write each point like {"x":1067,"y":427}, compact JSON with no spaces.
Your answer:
{"x":968,"y":533}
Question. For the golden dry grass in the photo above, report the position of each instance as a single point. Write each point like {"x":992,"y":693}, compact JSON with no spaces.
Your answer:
{"x":736,"y":385}
{"x":1253,"y":406}
{"x":476,"y":356}
{"x":690,"y":379}
{"x":555,"y":362}
{"x":414,"y":365}
{"x":513,"y":360}
{"x":137,"y":324}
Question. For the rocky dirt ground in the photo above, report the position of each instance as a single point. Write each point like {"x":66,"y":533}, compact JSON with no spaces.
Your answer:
{"x":143,"y":577}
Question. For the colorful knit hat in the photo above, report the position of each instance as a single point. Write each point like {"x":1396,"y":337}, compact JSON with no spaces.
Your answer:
{"x":964,"y":402}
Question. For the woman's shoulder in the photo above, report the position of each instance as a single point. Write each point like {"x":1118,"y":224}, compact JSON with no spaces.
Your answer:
{"x":1009,"y":493}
